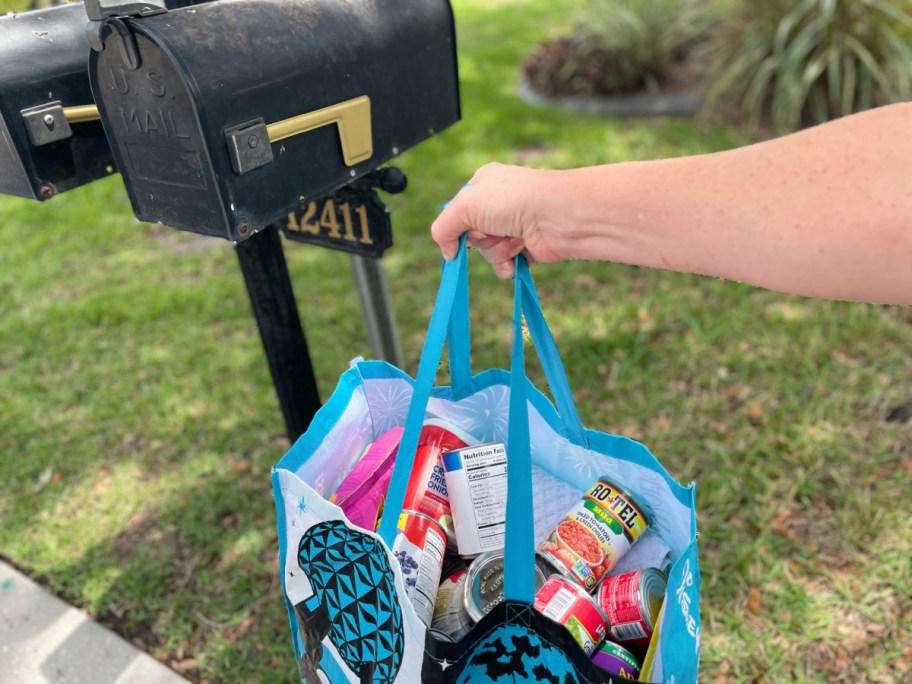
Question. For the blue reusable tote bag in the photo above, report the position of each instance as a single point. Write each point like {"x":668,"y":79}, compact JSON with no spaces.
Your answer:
{"x":350,"y":618}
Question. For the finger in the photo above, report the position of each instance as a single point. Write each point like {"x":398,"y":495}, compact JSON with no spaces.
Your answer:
{"x":504,"y":269}
{"x":446,"y":230}
{"x":502,"y":249}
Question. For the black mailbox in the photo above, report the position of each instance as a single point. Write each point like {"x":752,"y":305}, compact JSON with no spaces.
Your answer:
{"x":226,"y":116}
{"x":50,"y":136}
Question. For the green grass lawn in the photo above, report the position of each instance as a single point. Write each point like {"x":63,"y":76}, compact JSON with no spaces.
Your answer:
{"x":138,"y":423}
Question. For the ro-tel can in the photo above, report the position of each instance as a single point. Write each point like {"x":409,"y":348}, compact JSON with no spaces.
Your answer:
{"x":419,"y":548}
{"x":617,"y":660}
{"x":569,"y":604}
{"x":476,"y":479}
{"x":632,"y":602}
{"x":484,"y":587}
{"x":595,"y":533}
{"x":450,"y":614}
{"x":426,"y":492}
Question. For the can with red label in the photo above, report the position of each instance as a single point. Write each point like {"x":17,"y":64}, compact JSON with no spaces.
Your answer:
{"x":617,"y":660}
{"x":632,"y":602}
{"x":595,"y":533}
{"x":419,"y":548}
{"x":567,"y":603}
{"x":426,"y":492}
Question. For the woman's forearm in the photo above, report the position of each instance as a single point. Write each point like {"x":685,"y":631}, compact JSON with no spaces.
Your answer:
{"x":825,"y":212}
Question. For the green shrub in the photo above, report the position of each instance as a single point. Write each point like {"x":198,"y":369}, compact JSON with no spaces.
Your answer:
{"x":652,"y":35}
{"x":797,"y":64}
{"x":619,"y":46}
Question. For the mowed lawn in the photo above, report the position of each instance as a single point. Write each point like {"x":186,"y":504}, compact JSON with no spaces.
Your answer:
{"x":138,"y":422}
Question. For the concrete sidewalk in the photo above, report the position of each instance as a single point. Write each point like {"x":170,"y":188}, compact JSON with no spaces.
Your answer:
{"x":46,"y":641}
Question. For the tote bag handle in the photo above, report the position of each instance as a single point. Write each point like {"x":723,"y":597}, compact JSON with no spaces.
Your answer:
{"x":450,"y":320}
{"x":459,"y":345}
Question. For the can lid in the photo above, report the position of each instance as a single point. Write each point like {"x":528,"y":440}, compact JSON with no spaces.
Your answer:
{"x":441,"y":635}
{"x":484,"y":586}
{"x":652,"y":593}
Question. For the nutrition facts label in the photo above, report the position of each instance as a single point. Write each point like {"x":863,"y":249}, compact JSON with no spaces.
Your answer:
{"x":477,"y":483}
{"x":425,"y":590}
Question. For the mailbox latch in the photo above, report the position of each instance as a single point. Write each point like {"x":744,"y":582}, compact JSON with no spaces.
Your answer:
{"x":47,"y":123}
{"x":248,"y":146}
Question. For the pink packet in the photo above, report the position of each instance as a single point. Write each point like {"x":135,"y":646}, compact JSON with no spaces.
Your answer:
{"x":363,"y":491}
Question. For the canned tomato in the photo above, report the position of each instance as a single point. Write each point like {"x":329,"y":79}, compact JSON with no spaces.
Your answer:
{"x":476,"y":479}
{"x":484,"y":586}
{"x":567,"y":603}
{"x":595,"y":533}
{"x":450,"y":614}
{"x":617,"y":660}
{"x":419,"y":548}
{"x":631,"y":603}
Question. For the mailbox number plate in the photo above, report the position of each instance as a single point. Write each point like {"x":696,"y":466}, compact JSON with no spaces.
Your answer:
{"x":348,"y":220}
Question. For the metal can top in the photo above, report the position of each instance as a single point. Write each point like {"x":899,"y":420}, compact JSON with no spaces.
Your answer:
{"x":652,"y":593}
{"x":441,"y":635}
{"x":484,"y":587}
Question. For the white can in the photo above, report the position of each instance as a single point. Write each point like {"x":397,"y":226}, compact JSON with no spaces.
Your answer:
{"x":476,"y":479}
{"x":419,"y":548}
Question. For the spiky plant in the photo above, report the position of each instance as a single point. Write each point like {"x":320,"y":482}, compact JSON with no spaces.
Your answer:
{"x":796,"y":64}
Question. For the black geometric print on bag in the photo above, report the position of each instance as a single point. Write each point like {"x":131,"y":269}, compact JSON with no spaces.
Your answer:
{"x":354,"y":603}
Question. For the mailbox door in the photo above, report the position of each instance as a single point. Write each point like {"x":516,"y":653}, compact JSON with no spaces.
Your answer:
{"x":43,"y":59}
{"x":151,"y":119}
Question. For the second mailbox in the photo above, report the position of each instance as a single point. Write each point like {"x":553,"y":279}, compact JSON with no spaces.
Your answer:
{"x":225,"y":116}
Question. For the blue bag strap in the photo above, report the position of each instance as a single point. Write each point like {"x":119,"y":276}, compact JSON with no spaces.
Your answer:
{"x":424,"y":381}
{"x":546,"y":348}
{"x":459,"y":334}
{"x":519,"y":544}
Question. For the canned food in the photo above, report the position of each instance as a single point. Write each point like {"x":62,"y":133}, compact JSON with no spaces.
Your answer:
{"x":569,"y":604}
{"x":595,"y":533}
{"x":632,"y":602}
{"x":450,"y":614}
{"x":444,"y":434}
{"x":426,"y":492}
{"x":476,"y":479}
{"x":419,"y":548}
{"x":484,"y":587}
{"x":617,"y":660}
